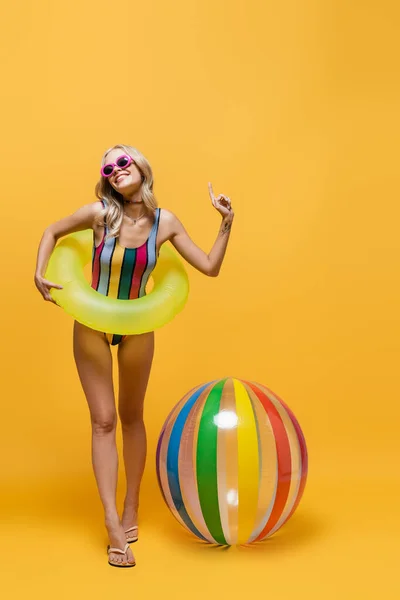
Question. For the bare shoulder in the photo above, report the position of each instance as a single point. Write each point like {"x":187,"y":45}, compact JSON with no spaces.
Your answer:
{"x":166,"y":215}
{"x":82,"y":218}
{"x":169,"y":221}
{"x":91,"y":210}
{"x":168,"y":225}
{"x":97,"y":207}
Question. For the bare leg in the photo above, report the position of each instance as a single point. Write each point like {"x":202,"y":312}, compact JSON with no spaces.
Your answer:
{"x":135,"y":357}
{"x":93,"y":359}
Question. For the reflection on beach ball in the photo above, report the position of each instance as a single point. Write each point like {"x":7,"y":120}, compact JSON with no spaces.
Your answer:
{"x":231,"y":462}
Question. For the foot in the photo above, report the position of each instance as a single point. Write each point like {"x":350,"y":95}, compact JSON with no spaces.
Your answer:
{"x":129,"y":520}
{"x":132,"y":534}
{"x":119,"y":551}
{"x":117,"y":537}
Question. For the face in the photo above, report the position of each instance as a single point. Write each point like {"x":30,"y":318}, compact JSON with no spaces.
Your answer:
{"x":123,"y":179}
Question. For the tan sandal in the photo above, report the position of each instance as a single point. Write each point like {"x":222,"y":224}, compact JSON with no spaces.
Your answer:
{"x":119,"y":551}
{"x":134,"y":537}
{"x":131,"y":540}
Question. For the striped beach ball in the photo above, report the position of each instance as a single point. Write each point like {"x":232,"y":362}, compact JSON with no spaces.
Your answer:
{"x":231,"y":462}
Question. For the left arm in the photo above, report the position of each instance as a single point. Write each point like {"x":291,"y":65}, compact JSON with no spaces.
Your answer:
{"x":209,"y":264}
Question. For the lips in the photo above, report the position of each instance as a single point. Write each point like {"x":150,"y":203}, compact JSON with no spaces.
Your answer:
{"x":117,"y":179}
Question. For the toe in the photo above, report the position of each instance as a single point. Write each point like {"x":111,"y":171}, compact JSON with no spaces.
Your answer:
{"x":116,"y":558}
{"x":130,"y":557}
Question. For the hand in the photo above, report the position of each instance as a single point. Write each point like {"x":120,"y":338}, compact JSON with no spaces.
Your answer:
{"x":44,"y":286}
{"x":221,"y":203}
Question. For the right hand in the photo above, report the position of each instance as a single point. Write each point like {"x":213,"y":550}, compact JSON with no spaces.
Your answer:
{"x":44,"y":286}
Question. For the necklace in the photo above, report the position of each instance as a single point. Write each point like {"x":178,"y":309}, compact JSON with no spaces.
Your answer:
{"x":137,"y":218}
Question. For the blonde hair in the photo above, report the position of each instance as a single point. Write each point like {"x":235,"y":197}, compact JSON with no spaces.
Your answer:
{"x":114,"y":212}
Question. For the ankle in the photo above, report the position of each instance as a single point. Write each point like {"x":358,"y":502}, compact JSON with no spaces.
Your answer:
{"x":129,"y":512}
{"x":111,"y":518}
{"x":131,"y":503}
{"x":129,"y":517}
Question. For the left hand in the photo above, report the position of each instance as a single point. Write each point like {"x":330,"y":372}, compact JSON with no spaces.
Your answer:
{"x":221,"y":203}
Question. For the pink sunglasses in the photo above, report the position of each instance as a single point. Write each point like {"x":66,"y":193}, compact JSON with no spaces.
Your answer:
{"x":122,"y":162}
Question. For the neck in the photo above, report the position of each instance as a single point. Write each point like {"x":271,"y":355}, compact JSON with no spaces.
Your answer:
{"x":134,"y":207}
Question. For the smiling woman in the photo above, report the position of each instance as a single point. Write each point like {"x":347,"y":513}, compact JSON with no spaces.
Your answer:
{"x":126,"y":184}
{"x":125,"y":245}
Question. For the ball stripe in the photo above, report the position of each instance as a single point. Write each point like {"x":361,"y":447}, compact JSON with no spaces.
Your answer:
{"x":160,"y":439}
{"x":268,"y":479}
{"x":303,"y":453}
{"x":172,"y":461}
{"x":283,"y":460}
{"x":207,"y":464}
{"x":187,"y":465}
{"x":295,"y":460}
{"x":227,"y":471}
{"x":163,"y":459}
{"x":248,"y":462}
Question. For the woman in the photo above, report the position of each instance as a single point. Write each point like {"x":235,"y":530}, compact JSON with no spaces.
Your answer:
{"x":128,"y":231}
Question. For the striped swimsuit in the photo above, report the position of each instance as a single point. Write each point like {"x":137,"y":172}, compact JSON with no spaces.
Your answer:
{"x":121,"y":272}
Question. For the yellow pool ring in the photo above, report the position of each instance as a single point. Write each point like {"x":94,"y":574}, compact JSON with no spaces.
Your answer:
{"x":111,"y":315}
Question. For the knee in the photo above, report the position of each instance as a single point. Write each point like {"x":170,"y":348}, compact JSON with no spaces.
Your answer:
{"x":104,"y":424}
{"x":130,"y":417}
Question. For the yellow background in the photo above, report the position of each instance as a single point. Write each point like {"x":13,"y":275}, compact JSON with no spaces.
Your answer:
{"x":291,"y":109}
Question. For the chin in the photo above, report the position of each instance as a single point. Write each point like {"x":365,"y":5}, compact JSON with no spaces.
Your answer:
{"x":123,"y":188}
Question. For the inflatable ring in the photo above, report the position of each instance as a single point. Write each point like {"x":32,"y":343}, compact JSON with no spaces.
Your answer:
{"x":111,"y":315}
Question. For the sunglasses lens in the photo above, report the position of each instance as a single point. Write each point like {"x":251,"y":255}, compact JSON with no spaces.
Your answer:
{"x":107,"y":170}
{"x":123,"y":161}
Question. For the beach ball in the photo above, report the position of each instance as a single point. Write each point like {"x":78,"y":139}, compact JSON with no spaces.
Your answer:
{"x":231,"y":462}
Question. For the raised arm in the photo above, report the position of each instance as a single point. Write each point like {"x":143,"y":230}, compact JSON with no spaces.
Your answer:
{"x":209,"y":264}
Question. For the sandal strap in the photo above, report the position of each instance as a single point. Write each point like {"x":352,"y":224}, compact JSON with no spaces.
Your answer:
{"x":118,"y":550}
{"x":131,"y":528}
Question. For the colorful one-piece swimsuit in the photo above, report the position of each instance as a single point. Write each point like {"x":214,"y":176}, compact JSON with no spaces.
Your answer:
{"x":123,"y":272}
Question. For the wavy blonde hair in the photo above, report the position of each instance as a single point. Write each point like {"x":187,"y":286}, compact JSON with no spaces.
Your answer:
{"x":114,"y":212}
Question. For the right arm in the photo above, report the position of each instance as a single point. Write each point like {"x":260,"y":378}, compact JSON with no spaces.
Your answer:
{"x":81,"y":219}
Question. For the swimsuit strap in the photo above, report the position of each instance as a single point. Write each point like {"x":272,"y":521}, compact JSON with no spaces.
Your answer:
{"x":151,"y":242}
{"x":104,"y":220}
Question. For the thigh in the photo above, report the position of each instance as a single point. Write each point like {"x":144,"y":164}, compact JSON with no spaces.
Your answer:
{"x":135,"y":357}
{"x":93,"y":359}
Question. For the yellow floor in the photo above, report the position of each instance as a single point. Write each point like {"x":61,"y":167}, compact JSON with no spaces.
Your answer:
{"x":341,"y":543}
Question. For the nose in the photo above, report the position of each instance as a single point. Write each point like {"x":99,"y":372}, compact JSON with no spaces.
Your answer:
{"x":117,"y":170}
